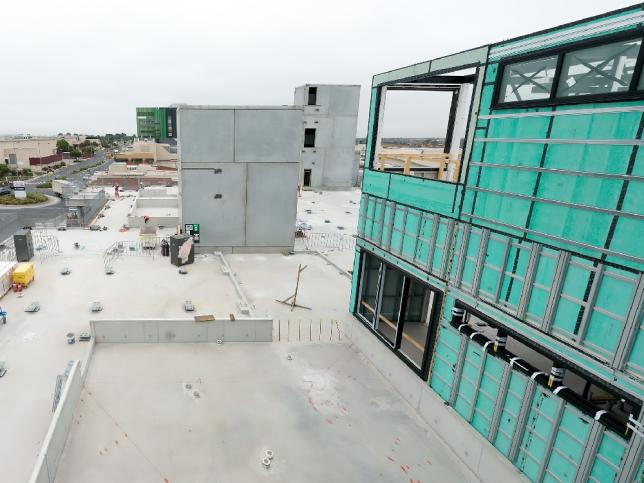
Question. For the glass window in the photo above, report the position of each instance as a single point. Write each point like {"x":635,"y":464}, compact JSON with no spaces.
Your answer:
{"x":418,"y":315}
{"x":369,"y":288}
{"x":390,"y":304}
{"x":528,"y":81}
{"x":599,"y":70}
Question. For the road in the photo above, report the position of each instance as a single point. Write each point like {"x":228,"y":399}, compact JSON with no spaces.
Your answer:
{"x":15,"y":218}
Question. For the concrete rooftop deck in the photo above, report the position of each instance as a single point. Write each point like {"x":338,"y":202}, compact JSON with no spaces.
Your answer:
{"x":34,"y":347}
{"x":326,"y":414}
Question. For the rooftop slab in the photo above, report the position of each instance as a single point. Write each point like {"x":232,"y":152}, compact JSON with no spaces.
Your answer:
{"x":34,"y":345}
{"x":204,"y":412}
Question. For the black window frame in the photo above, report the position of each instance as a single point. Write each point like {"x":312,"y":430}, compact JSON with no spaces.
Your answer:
{"x":432,"y":332}
{"x":314,"y":136}
{"x":560,"y":51}
{"x":313,"y":94}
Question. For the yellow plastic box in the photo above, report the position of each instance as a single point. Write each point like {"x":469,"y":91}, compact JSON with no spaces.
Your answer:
{"x":24,"y":273}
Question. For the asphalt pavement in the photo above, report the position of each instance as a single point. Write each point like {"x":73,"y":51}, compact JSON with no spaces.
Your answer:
{"x":15,"y":218}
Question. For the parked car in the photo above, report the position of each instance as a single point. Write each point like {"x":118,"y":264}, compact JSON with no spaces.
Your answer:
{"x":5,"y":191}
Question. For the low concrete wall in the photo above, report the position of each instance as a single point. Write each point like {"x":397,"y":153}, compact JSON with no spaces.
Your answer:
{"x":52,"y":448}
{"x":170,"y":217}
{"x":135,"y":220}
{"x":477,"y":454}
{"x":157,"y":202}
{"x":182,"y":330}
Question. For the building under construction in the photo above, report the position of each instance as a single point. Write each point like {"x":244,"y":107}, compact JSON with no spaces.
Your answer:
{"x":511,"y":283}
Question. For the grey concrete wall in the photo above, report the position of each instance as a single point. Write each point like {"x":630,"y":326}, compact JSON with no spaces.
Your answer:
{"x":52,"y":448}
{"x":238,"y":202}
{"x":483,"y":459}
{"x":182,"y":330}
{"x":332,"y":161}
{"x":264,"y":180}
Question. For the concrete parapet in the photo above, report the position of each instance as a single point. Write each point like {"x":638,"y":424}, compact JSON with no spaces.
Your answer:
{"x":248,"y":329}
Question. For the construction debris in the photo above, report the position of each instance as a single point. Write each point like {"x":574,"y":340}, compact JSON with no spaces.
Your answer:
{"x":33,"y":307}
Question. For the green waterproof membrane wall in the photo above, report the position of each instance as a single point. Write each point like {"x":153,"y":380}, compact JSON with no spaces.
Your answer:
{"x":569,"y":176}
{"x":590,"y":307}
{"x":547,"y":438}
{"x":543,"y":237}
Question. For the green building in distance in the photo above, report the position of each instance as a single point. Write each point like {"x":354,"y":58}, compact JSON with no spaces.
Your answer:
{"x":157,"y":123}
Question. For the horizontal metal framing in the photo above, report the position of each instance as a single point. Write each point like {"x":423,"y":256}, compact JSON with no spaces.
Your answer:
{"x":536,"y":41}
{"x":552,"y":346}
{"x":565,"y":172}
{"x":527,"y":287}
{"x":567,"y":204}
{"x":557,"y":238}
{"x":611,"y":142}
{"x":569,"y":112}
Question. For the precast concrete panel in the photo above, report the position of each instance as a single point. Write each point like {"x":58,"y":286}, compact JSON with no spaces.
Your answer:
{"x":339,"y":167}
{"x":344,"y":132}
{"x":268,"y":135}
{"x":206,"y":135}
{"x":311,"y":160}
{"x":170,"y":331}
{"x":271,"y":223}
{"x":343,"y":100}
{"x":299,"y":98}
{"x":216,"y":198}
{"x":323,"y":126}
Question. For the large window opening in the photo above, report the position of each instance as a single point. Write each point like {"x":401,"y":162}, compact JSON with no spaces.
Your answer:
{"x":309,"y":138}
{"x":312,"y":96}
{"x":589,"y":394}
{"x":401,"y":310}
{"x":422,"y":127}
{"x":307,"y":177}
{"x":588,"y":71}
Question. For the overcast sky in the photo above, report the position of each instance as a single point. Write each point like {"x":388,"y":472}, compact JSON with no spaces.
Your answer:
{"x":84,"y":65}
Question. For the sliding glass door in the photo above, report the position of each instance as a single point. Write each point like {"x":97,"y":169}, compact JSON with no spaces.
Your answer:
{"x":401,"y":310}
{"x":369,"y":289}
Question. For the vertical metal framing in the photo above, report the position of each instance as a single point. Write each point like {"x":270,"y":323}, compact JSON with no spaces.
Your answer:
{"x":507,"y":243}
{"x":462,"y":254}
{"x":480,"y":261}
{"x":381,"y":221}
{"x":590,"y":304}
{"x":555,"y":290}
{"x":458,"y":370}
{"x":447,"y":248}
{"x":477,"y":383}
{"x":432,"y":242}
{"x":528,"y":280}
{"x":634,"y":453}
{"x":390,"y":224}
{"x":402,"y":229}
{"x":363,"y":219}
{"x":551,"y":439}
{"x":590,"y":452}
{"x":631,"y":326}
{"x":419,"y":218}
{"x":499,"y":403}
{"x":519,"y":429}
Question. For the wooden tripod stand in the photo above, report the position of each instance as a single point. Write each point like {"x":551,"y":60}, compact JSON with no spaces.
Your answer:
{"x":292,"y":300}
